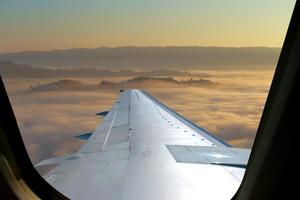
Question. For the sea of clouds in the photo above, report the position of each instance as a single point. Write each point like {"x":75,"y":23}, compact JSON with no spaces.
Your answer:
{"x":49,"y":120}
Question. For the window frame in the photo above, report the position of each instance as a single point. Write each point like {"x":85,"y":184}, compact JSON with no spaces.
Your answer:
{"x":268,"y":174}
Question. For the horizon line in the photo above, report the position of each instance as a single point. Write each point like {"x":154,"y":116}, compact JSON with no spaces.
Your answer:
{"x":132,"y":46}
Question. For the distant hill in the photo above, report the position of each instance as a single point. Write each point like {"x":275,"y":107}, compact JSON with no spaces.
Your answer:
{"x":154,"y":82}
{"x":136,"y":82}
{"x":203,"y":58}
{"x":62,"y":85}
{"x":12,"y":70}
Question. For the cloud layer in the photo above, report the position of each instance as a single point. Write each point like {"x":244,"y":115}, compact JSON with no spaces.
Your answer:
{"x":49,"y":120}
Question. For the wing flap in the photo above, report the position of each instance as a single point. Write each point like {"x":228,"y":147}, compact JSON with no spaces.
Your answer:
{"x":234,"y":157}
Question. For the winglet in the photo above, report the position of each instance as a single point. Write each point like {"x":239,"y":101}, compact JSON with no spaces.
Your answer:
{"x":84,"y":136}
{"x":104,"y":113}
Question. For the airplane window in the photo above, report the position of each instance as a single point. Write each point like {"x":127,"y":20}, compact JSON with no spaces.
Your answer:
{"x":179,"y":85}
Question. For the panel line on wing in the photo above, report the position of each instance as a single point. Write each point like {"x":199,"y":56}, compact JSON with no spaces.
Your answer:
{"x":109,"y":130}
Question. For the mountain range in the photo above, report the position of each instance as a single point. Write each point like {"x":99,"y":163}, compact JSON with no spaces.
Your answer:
{"x":149,"y":58}
{"x":10,"y":69}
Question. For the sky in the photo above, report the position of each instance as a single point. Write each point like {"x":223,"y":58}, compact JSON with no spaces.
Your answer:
{"x":61,"y":24}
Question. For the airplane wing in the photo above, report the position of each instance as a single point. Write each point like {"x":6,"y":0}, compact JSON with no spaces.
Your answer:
{"x":145,"y":150}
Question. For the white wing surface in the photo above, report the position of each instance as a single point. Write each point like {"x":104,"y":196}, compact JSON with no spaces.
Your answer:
{"x":144,"y":150}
